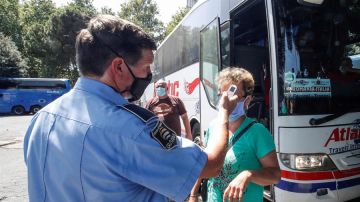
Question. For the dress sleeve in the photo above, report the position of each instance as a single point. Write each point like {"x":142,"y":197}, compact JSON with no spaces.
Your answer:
{"x":170,"y":172}
{"x":261,"y":140}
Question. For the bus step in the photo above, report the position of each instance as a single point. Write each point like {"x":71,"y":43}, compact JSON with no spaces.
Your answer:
{"x":267,"y":195}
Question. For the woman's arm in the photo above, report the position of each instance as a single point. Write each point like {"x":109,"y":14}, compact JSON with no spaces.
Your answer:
{"x":270,"y":173}
{"x":267,"y":175}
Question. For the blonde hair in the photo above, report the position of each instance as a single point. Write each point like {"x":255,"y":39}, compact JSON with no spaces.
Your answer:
{"x":235,"y":75}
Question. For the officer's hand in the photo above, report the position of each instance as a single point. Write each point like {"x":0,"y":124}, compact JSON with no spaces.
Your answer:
{"x":236,"y":189}
{"x":227,"y":103}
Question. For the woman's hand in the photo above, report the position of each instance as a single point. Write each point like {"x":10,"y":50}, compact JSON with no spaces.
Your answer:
{"x":227,"y":103}
{"x":236,"y":189}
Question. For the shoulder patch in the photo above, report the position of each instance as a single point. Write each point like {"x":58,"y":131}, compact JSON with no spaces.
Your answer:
{"x":142,"y":113}
{"x":164,"y":135}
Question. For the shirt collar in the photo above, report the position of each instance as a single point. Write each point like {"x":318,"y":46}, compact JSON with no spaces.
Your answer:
{"x":100,"y":89}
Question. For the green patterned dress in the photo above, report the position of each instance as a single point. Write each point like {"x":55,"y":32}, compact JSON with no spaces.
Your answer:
{"x":256,"y":143}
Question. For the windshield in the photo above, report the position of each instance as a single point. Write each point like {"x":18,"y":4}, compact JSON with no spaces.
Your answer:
{"x":318,"y":57}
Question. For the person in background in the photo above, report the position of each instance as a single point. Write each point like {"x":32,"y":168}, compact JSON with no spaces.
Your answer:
{"x":346,"y":66}
{"x":345,"y":73}
{"x":250,"y":161}
{"x":168,"y":108}
{"x":92,"y":144}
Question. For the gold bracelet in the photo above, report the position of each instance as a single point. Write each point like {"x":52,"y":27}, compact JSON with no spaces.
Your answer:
{"x":193,"y":195}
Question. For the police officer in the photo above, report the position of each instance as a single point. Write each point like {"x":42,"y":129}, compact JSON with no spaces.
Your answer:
{"x":93,"y":145}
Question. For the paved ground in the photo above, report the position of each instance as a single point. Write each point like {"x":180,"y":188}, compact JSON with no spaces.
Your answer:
{"x":13,"y":177}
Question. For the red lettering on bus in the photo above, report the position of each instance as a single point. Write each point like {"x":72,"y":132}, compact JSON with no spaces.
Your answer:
{"x":343,"y":134}
{"x":173,"y":88}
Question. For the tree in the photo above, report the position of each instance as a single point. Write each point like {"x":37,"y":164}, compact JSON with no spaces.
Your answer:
{"x":144,"y":14}
{"x":9,"y":20}
{"x":35,"y":16}
{"x":11,"y":62}
{"x":66,"y":23}
{"x":85,"y":6}
{"x":175,"y":19}
{"x":107,"y":10}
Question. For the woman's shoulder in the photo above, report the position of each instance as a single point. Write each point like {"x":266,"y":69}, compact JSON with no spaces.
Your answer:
{"x":257,"y":127}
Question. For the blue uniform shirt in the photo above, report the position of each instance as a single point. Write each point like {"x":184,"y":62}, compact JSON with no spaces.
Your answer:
{"x":86,"y":146}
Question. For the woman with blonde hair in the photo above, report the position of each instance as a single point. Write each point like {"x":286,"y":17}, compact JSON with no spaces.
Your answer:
{"x":250,"y":161}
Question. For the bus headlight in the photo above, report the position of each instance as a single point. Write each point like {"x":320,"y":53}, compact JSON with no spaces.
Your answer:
{"x":307,"y":162}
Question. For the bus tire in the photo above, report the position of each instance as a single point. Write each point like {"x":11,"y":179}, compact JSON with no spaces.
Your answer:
{"x":195,"y":131}
{"x":34,"y":109}
{"x":18,"y":110}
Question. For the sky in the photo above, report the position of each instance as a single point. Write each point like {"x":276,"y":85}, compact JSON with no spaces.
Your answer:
{"x":167,"y":7}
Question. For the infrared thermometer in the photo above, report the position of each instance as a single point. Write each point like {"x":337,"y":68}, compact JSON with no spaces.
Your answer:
{"x":231,"y":91}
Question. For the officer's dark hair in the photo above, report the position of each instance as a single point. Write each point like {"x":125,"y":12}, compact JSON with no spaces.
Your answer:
{"x":106,"y":34}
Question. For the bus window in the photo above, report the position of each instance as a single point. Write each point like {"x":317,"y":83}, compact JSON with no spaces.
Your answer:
{"x":313,"y":42}
{"x":209,"y":60}
{"x":49,"y":85}
{"x":8,"y":84}
{"x":225,"y":44}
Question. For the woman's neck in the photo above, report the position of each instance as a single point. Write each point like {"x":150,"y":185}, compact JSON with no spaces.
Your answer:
{"x":233,"y":126}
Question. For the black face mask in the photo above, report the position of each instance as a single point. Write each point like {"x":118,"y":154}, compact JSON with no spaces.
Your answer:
{"x":138,"y":86}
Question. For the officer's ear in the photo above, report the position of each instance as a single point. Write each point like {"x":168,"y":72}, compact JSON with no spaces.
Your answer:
{"x":117,"y":66}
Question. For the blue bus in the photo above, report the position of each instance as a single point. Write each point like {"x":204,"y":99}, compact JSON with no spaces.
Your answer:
{"x":28,"y":95}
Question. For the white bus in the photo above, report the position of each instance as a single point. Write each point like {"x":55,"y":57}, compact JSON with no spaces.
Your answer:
{"x":294,"y":49}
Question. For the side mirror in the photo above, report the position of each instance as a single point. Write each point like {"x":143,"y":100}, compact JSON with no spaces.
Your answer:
{"x":311,"y":2}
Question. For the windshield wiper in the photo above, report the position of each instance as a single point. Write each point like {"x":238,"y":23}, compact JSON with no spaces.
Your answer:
{"x":318,"y":121}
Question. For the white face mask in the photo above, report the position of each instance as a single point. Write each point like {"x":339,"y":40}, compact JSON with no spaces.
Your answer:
{"x":238,"y":112}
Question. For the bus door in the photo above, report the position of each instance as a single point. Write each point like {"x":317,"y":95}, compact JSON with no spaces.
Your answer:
{"x":209,"y":67}
{"x":249,"y":50}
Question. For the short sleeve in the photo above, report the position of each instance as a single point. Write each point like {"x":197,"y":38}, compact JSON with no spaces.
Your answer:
{"x":181,"y":106}
{"x":170,"y":172}
{"x":148,"y":105}
{"x":261,"y":140}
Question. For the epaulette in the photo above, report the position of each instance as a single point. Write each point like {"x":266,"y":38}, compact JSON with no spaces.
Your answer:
{"x":142,"y":113}
{"x":160,"y":132}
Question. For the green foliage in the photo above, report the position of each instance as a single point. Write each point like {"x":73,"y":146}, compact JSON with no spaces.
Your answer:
{"x":9,"y":17}
{"x":84,"y":6}
{"x":11,"y":62}
{"x":45,"y":35}
{"x":144,"y":14}
{"x":66,"y":23}
{"x":35,"y":21}
{"x":49,"y":35}
{"x":107,"y":10}
{"x":175,"y":19}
